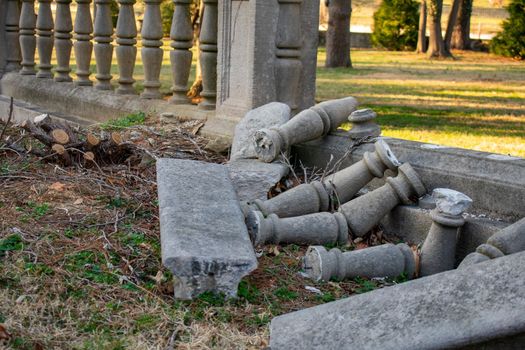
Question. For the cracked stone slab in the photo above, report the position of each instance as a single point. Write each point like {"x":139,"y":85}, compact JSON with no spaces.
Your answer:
{"x":451,"y":202}
{"x":204,"y":239}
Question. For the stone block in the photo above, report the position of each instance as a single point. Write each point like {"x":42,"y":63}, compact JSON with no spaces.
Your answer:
{"x":453,"y":309}
{"x":205,"y":243}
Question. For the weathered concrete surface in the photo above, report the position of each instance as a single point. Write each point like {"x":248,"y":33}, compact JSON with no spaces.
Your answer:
{"x":270,"y":115}
{"x":496,"y":183}
{"x":363,"y":124}
{"x":253,"y":179}
{"x":3,"y":40}
{"x":453,"y":309}
{"x":204,"y":240}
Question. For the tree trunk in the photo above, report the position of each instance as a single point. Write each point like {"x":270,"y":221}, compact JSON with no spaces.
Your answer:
{"x":338,"y":34}
{"x":422,"y":35}
{"x":452,"y":19}
{"x":436,"y":47}
{"x":461,"y":34}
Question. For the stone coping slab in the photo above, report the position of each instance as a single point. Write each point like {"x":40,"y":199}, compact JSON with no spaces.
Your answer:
{"x":452,"y":309}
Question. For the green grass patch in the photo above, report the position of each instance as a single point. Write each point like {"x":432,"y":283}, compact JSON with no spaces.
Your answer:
{"x":11,"y":243}
{"x":125,"y":122}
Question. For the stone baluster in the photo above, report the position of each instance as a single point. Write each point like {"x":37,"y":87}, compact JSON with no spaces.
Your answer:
{"x":44,"y":40}
{"x":364,"y":212}
{"x":182,"y":40}
{"x":318,"y":228}
{"x":151,"y":51}
{"x":208,"y":54}
{"x":364,"y":124}
{"x":288,"y":66}
{"x":83,"y":45}
{"x":63,"y":44}
{"x":27,"y":37}
{"x":308,"y":125}
{"x":126,"y":49}
{"x":336,"y":189}
{"x":386,"y":260}
{"x":510,"y":240}
{"x":439,"y":249}
{"x":103,"y":47}
{"x":12,"y":19}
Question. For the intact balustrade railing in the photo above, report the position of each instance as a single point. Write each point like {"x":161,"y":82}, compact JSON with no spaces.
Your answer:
{"x":28,"y":33}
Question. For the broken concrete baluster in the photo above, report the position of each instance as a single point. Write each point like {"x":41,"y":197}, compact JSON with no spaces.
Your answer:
{"x":27,"y":37}
{"x":364,"y":124}
{"x":364,"y":212}
{"x":44,"y":40}
{"x":386,"y":260}
{"x":83,"y":46}
{"x":308,"y":125}
{"x":63,"y":43}
{"x":315,"y":196}
{"x":510,"y":240}
{"x":318,"y":228}
{"x":439,"y":249}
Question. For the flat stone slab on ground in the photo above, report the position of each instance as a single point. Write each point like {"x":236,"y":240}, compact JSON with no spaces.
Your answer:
{"x":205,"y":243}
{"x":452,"y":309}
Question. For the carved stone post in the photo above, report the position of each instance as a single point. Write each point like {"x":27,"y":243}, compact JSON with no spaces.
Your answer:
{"x":208,"y":54}
{"x":126,"y":50}
{"x":27,"y":37}
{"x":338,"y":188}
{"x":63,"y":44}
{"x":103,"y":47}
{"x":83,"y":45}
{"x":439,"y":249}
{"x":288,"y":66}
{"x":182,"y":40}
{"x":366,"y":211}
{"x":151,"y":51}
{"x":318,"y":228}
{"x":364,"y":125}
{"x":386,"y":260}
{"x":12,"y":36}
{"x":510,"y":240}
{"x":44,"y":40}
{"x":308,"y":125}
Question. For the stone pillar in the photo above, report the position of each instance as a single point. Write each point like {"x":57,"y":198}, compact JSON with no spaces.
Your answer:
{"x":510,"y":240}
{"x":288,"y":65}
{"x":386,"y":260}
{"x":103,"y":47}
{"x":126,"y":50}
{"x":12,"y":36}
{"x":318,"y":228}
{"x":308,"y":125}
{"x":151,"y":51}
{"x":63,"y":44}
{"x":336,"y":189}
{"x":44,"y":40}
{"x":181,"y":41}
{"x":27,"y":37}
{"x":208,"y":55}
{"x":83,"y":45}
{"x":439,"y":249}
{"x":364,"y":125}
{"x":3,"y":40}
{"x":364,"y":212}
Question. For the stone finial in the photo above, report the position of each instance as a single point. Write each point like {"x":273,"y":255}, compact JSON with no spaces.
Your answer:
{"x":103,"y":48}
{"x":44,"y":40}
{"x":318,"y":228}
{"x":27,"y":37}
{"x":181,"y":35}
{"x":439,"y":249}
{"x":510,"y":240}
{"x":308,"y":125}
{"x":386,"y":260}
{"x":364,"y":212}
{"x":63,"y":43}
{"x":208,"y":54}
{"x":83,"y":46}
{"x":364,"y":124}
{"x":126,"y":49}
{"x":336,"y":189}
{"x":151,"y":49}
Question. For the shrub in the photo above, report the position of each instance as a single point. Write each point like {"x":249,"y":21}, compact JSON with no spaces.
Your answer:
{"x":166,"y":12}
{"x":396,"y":25}
{"x":511,"y":40}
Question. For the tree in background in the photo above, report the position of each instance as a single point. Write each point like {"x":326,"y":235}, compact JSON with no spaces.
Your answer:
{"x":338,"y":34}
{"x":461,"y":34}
{"x":396,"y":25}
{"x":436,"y":44}
{"x":452,"y":19}
{"x":422,"y":32}
{"x":511,"y":41}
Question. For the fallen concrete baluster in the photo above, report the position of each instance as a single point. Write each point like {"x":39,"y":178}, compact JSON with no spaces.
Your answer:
{"x":386,"y":260}
{"x":510,"y":240}
{"x":364,"y":124}
{"x":318,"y":228}
{"x":308,"y":125}
{"x":439,"y":249}
{"x":343,"y":185}
{"x":364,"y":212}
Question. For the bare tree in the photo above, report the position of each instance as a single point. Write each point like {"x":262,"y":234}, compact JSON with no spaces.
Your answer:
{"x":461,"y":34}
{"x":422,"y":34}
{"x":338,"y":34}
{"x":436,"y":47}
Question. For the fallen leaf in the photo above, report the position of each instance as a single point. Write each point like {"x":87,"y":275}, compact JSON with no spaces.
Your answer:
{"x":78,"y":201}
{"x":196,"y":128}
{"x":4,"y":335}
{"x":57,"y":186}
